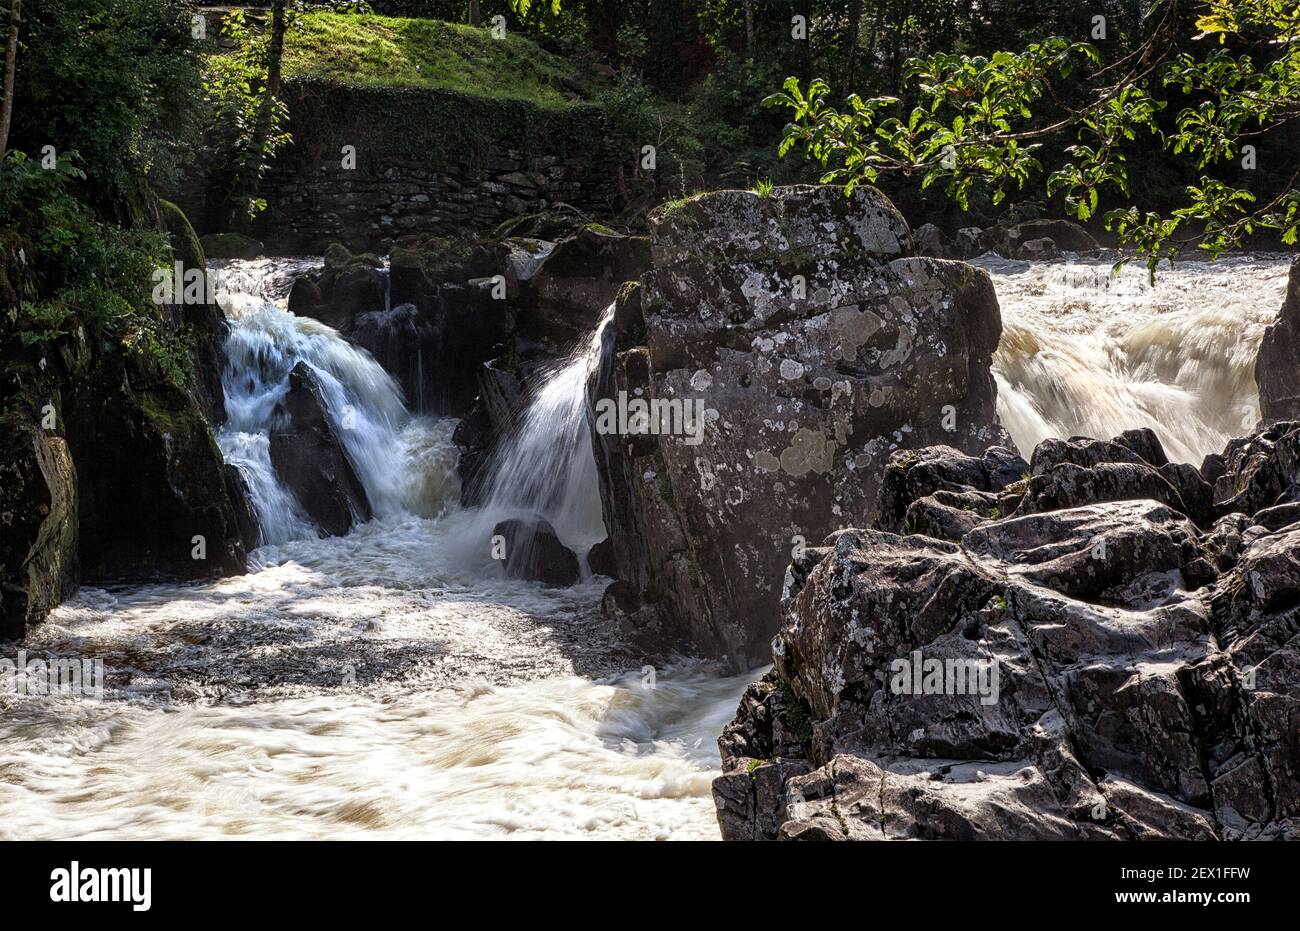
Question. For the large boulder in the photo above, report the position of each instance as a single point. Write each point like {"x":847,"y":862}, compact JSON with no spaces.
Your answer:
{"x":155,"y":498}
{"x":808,"y":347}
{"x":534,"y":552}
{"x":1093,"y":669}
{"x":342,"y":289}
{"x":311,"y":460}
{"x":1277,"y":367}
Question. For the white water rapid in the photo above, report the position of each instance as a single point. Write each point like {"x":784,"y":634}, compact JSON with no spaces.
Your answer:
{"x":391,"y":683}
{"x":1086,"y":352}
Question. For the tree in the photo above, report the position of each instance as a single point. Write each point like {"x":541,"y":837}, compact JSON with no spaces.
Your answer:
{"x":11,"y":65}
{"x":980,"y":123}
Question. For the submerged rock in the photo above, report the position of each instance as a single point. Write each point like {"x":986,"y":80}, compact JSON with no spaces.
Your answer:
{"x":534,"y":552}
{"x":311,"y":461}
{"x":1095,"y":668}
{"x":795,"y":347}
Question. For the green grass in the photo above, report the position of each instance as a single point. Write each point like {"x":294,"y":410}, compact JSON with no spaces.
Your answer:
{"x":383,"y":50}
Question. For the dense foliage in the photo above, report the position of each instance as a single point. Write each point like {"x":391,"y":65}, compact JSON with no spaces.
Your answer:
{"x":981,"y":122}
{"x":115,"y":81}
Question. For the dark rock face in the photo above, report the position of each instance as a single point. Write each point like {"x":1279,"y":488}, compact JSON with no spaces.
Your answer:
{"x":1277,"y":368}
{"x":344,"y":288}
{"x":38,"y":525}
{"x":578,"y":279}
{"x":489,"y":420}
{"x":535,"y":553}
{"x":1031,"y":240}
{"x":402,"y":341}
{"x":600,"y":558}
{"x":149,"y":472}
{"x":310,"y":460}
{"x":1074,"y":670}
{"x":812,"y":348}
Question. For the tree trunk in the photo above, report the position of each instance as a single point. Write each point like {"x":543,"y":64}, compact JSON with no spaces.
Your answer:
{"x":475,"y":14}
{"x":749,"y":28}
{"x":248,"y":185}
{"x":11,"y":65}
{"x":851,"y":49}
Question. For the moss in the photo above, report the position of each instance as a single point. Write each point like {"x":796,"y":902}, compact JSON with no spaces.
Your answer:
{"x":426,"y":53}
{"x":666,"y":490}
{"x":797,"y":716}
{"x":186,"y":246}
{"x":230,"y":246}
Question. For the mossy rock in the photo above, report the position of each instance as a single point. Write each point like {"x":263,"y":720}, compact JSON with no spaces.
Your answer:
{"x":338,"y":258}
{"x":186,"y":246}
{"x":230,"y":246}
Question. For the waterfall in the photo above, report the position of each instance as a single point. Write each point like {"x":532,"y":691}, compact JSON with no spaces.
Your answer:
{"x":547,"y":467}
{"x":1087,"y":352}
{"x":403,"y":462}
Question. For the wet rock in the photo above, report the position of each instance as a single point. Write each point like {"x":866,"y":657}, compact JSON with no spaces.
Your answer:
{"x":153,"y":496}
{"x":38,"y":524}
{"x":1080,"y":669}
{"x":1037,"y":250}
{"x":403,"y":341}
{"x":230,"y":246}
{"x":344,"y":288}
{"x":600,"y":558}
{"x":809,"y":350}
{"x":534,"y":552}
{"x":578,"y":279}
{"x":1064,"y":235}
{"x":490,"y":418}
{"x":1277,"y":367}
{"x":310,"y":460}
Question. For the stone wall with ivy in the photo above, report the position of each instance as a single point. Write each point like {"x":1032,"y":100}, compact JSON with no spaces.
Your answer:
{"x":426,"y":162}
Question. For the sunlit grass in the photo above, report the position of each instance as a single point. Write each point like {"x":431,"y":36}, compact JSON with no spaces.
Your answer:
{"x":424,"y":53}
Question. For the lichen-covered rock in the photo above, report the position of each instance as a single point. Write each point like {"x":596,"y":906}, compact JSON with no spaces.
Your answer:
{"x":1277,"y":367}
{"x":806,"y":347}
{"x":311,"y":460}
{"x":1082,"y":669}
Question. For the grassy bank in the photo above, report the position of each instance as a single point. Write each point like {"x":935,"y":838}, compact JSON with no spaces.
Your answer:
{"x":422,"y":53}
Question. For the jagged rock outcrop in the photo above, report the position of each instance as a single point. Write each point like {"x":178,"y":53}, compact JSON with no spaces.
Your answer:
{"x":311,"y":460}
{"x":803,"y":346}
{"x":1277,"y":367}
{"x":533,"y":552}
{"x":1117,"y":668}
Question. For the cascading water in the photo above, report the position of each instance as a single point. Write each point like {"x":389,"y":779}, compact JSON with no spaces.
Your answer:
{"x":1086,"y":352}
{"x":377,"y":685}
{"x":370,"y":685}
{"x":362,"y":400}
{"x":547,"y":467}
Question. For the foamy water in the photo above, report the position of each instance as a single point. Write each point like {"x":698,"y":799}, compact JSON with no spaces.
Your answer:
{"x":392,"y":684}
{"x":1085,"y":352}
